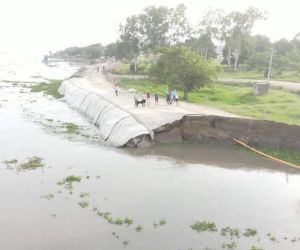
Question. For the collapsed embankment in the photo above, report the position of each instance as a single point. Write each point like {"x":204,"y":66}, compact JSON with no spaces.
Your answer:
{"x":224,"y":130}
{"x":120,"y":127}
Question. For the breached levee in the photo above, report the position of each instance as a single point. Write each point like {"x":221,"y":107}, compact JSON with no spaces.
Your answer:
{"x":116,"y":126}
{"x":121,"y":124}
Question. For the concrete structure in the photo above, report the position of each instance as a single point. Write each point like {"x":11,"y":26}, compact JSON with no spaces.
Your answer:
{"x":260,"y":88}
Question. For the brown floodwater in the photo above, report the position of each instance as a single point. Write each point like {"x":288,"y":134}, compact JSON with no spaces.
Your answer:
{"x":182,"y":183}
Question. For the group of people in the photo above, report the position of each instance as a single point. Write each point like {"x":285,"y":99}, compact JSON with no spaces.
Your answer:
{"x":172,"y":96}
{"x":145,"y":98}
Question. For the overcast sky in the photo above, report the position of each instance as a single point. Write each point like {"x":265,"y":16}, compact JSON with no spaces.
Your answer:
{"x":43,"y":25}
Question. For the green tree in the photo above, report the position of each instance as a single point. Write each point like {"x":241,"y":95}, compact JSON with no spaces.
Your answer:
{"x":283,"y":47}
{"x":89,"y":52}
{"x":154,"y":27}
{"x":129,"y":42}
{"x":236,"y":28}
{"x":203,"y":45}
{"x":111,"y":50}
{"x":180,"y":29}
{"x":180,"y":67}
{"x":209,"y":29}
{"x":261,"y":43}
{"x":93,"y":51}
{"x":259,"y":56}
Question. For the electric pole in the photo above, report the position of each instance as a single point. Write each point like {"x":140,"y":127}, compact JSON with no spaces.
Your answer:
{"x":270,"y":63}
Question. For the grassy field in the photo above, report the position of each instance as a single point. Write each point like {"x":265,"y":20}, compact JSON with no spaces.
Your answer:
{"x":289,"y":76}
{"x":122,"y":69}
{"x":49,"y":88}
{"x":277,"y":105}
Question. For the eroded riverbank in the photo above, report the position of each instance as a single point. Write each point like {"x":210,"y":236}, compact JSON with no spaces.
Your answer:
{"x":122,"y":124}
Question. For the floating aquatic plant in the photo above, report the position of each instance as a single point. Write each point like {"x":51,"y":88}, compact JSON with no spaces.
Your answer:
{"x":204,"y":226}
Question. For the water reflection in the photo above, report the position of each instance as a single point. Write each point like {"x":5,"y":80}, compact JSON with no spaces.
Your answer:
{"x":231,"y":157}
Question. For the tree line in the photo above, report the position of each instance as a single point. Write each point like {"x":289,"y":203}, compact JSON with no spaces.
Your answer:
{"x":183,"y":57}
{"x":164,"y":27}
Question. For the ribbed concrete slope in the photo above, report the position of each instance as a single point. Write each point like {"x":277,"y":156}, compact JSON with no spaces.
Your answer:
{"x":115,"y":125}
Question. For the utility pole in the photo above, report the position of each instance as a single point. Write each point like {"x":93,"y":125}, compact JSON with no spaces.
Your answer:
{"x":270,"y":63}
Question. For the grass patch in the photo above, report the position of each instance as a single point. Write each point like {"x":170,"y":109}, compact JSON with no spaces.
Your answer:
{"x":83,"y":204}
{"x":73,"y":178}
{"x":125,"y":243}
{"x":288,"y":155}
{"x":50,"y":88}
{"x":256,"y":248}
{"x":230,"y":232}
{"x":48,"y":196}
{"x":68,"y":181}
{"x":71,"y":128}
{"x":128,"y":221}
{"x":119,"y":221}
{"x":83,"y":195}
{"x":231,"y":245}
{"x":204,"y":226}
{"x":10,"y":164}
{"x":289,"y":76}
{"x":250,"y":232}
{"x":162,"y":222}
{"x":32,"y":163}
{"x":13,"y":161}
{"x":277,"y":105}
{"x":139,"y":228}
{"x":122,"y":69}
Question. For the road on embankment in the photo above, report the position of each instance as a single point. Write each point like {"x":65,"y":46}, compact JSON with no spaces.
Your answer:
{"x":152,"y":116}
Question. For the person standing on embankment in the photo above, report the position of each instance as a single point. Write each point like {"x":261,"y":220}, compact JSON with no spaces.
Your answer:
{"x":116,"y":90}
{"x":156,"y":98}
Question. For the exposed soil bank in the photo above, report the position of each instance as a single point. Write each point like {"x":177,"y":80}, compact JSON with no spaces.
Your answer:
{"x":223,"y":130}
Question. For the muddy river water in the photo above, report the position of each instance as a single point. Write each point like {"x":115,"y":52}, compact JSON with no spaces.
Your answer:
{"x":139,"y":199}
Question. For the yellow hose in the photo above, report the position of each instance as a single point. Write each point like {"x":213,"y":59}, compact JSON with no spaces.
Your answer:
{"x":266,"y":155}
